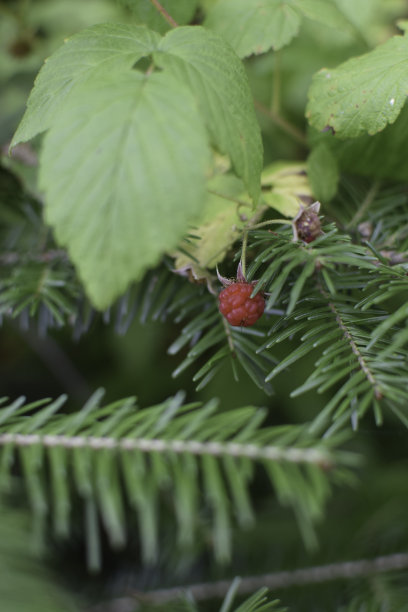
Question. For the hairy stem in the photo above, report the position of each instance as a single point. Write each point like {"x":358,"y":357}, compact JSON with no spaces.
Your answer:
{"x":164,"y":13}
{"x":270,"y":222}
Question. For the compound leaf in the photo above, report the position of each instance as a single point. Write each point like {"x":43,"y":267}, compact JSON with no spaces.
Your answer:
{"x":363,"y":94}
{"x":204,"y":62}
{"x":104,"y":47}
{"x":129,"y":178}
{"x":259,"y":25}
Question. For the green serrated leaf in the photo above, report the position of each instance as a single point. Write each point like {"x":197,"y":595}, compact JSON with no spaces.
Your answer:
{"x":255,"y":26}
{"x":363,"y":94}
{"x":119,"y":192}
{"x":201,"y":60}
{"x":381,"y":155}
{"x":104,"y":47}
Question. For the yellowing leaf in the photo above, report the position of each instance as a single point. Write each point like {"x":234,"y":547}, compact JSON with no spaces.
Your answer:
{"x":284,"y":186}
{"x":219,"y":225}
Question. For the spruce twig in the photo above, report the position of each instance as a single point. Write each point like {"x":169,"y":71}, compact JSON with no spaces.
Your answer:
{"x":347,"y":570}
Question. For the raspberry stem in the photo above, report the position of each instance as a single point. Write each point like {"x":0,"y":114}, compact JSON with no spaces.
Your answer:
{"x":243,"y":252}
{"x":270,"y":222}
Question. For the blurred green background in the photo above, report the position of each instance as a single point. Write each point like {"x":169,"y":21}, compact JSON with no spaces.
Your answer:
{"x":367,"y":519}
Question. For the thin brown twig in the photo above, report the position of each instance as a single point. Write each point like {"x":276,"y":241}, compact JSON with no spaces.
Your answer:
{"x":279,"y":580}
{"x":347,"y":570}
{"x":164,"y":13}
{"x":285,"y":125}
{"x":10,"y":258}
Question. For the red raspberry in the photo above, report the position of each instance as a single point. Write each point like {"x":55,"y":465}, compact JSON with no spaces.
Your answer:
{"x":238,"y":307}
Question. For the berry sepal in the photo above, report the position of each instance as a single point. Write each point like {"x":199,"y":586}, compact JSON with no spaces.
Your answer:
{"x":240,"y":278}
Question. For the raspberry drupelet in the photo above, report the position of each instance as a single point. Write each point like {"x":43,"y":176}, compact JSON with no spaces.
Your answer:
{"x":235,"y":302}
{"x":238,"y":307}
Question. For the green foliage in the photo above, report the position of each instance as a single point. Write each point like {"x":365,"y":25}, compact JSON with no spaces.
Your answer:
{"x":362,"y":95}
{"x":161,"y":454}
{"x":256,"y":26}
{"x":122,"y":240}
{"x":381,"y":155}
{"x":25,"y":585}
{"x":384,"y":593}
{"x":207,"y":334}
{"x":100,"y":194}
{"x":150,"y":175}
{"x":323,"y":172}
{"x":104,"y":48}
{"x":258,"y":602}
{"x":182,"y":11}
{"x":358,"y":345}
{"x":206,"y":63}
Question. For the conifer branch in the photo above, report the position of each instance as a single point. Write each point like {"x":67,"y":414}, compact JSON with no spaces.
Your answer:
{"x":355,"y":349}
{"x":347,"y":570}
{"x":314,"y":456}
{"x":184,"y":442}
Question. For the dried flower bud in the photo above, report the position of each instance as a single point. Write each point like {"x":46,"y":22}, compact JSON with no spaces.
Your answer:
{"x":306,"y":224}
